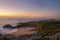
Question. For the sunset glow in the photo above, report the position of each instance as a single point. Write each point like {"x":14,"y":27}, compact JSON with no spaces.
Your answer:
{"x":28,"y":9}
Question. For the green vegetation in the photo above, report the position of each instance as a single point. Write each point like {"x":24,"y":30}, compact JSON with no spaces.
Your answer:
{"x":48,"y":26}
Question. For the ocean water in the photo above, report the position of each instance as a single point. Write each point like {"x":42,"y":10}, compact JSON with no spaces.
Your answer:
{"x":14,"y":21}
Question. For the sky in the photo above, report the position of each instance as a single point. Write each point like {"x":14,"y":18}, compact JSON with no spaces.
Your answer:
{"x":29,"y":8}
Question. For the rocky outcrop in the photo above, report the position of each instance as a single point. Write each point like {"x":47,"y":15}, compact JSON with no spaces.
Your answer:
{"x":7,"y":26}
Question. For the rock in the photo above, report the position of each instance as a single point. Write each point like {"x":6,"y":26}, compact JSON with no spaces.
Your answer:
{"x":7,"y":26}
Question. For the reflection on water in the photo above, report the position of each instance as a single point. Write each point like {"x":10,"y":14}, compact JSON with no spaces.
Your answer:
{"x":13,"y":21}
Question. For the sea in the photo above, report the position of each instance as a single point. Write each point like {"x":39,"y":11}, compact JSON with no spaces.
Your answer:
{"x":13,"y":22}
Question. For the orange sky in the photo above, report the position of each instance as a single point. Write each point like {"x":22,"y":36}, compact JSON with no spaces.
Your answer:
{"x":24,"y":14}
{"x":29,"y":9}
{"x":6,"y":13}
{"x":21,"y":15}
